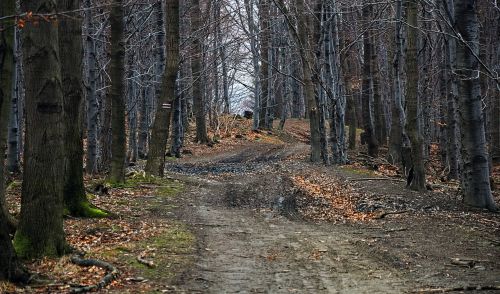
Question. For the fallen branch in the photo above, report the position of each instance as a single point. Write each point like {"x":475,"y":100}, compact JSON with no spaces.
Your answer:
{"x":463,"y":262}
{"x":110,"y":276}
{"x":377,"y":179}
{"x":384,"y":214}
{"x":146,"y":262}
{"x":453,"y":289}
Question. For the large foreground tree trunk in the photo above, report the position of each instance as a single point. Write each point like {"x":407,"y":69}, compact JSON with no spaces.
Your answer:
{"x":475,"y":174}
{"x":6,"y":73}
{"x":118,"y":147}
{"x":10,"y":269}
{"x":40,"y":231}
{"x":156,"y":156}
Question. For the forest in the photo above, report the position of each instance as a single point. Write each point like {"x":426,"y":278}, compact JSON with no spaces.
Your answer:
{"x":267,"y":146}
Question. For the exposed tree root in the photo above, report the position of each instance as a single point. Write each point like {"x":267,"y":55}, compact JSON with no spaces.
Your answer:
{"x":384,"y":214}
{"x":111,"y":274}
{"x":146,"y":262}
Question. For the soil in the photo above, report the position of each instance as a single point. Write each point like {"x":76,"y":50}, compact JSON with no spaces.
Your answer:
{"x":254,"y":237}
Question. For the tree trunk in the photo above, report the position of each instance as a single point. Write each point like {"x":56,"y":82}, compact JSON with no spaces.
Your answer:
{"x":117,"y":74}
{"x":475,"y":175}
{"x":252,"y":32}
{"x":412,"y":129}
{"x":305,"y":30}
{"x":13,"y":134}
{"x":10,"y":268}
{"x":40,"y":231}
{"x":156,"y":156}
{"x":142,"y":143}
{"x":264,"y":61}
{"x":452,"y":146}
{"x":132,"y":99}
{"x":398,"y":114}
{"x":199,"y":103}
{"x":377,"y":98}
{"x":369,"y":134}
{"x":495,"y":111}
{"x":91,"y":95}
{"x":70,"y":32}
{"x":6,"y":79}
{"x":177,"y":128}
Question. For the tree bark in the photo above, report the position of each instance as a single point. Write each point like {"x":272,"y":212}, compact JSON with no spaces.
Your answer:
{"x":157,"y":149}
{"x":265,"y":36}
{"x":198,"y":103}
{"x":70,"y":40}
{"x":412,"y":129}
{"x":10,"y":268}
{"x":252,"y":32}
{"x":6,"y":73}
{"x":117,"y":74}
{"x":91,"y":95}
{"x":40,"y":231}
{"x":452,"y":146}
{"x":398,"y":114}
{"x":495,"y":101}
{"x":132,"y":150}
{"x":13,"y":134}
{"x":475,"y":174}
{"x":305,"y":27}
{"x":367,"y":107}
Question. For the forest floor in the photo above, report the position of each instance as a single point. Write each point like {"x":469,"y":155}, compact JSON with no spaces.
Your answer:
{"x":251,"y":215}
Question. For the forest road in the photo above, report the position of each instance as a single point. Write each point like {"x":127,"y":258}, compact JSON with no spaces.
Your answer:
{"x":250,"y":240}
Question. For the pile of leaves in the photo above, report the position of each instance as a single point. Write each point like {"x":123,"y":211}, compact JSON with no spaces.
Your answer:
{"x":327,"y":198}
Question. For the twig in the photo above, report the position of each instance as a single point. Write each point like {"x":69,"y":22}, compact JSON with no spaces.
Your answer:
{"x":110,"y":276}
{"x":384,"y":214}
{"x":376,"y":179}
{"x":146,"y":262}
{"x":396,"y":230}
{"x":461,"y":262}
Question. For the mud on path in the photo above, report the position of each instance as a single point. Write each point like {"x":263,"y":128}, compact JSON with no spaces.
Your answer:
{"x":251,"y":239}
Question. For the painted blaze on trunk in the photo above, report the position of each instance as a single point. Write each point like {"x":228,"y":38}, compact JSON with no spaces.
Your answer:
{"x":156,"y":156}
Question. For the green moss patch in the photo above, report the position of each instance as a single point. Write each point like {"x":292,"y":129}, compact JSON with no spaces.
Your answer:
{"x":174,"y":249}
{"x":89,"y":210}
{"x":172,"y":253}
{"x":14,"y":185}
{"x":22,"y":245}
{"x":137,"y":179}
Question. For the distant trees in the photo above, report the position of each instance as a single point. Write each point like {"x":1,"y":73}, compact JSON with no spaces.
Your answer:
{"x":150,"y":68}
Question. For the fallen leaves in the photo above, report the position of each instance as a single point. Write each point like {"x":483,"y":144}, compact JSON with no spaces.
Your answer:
{"x":328,"y":198}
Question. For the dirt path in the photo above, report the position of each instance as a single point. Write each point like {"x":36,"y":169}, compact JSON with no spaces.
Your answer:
{"x":247,"y":246}
{"x":252,"y":240}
